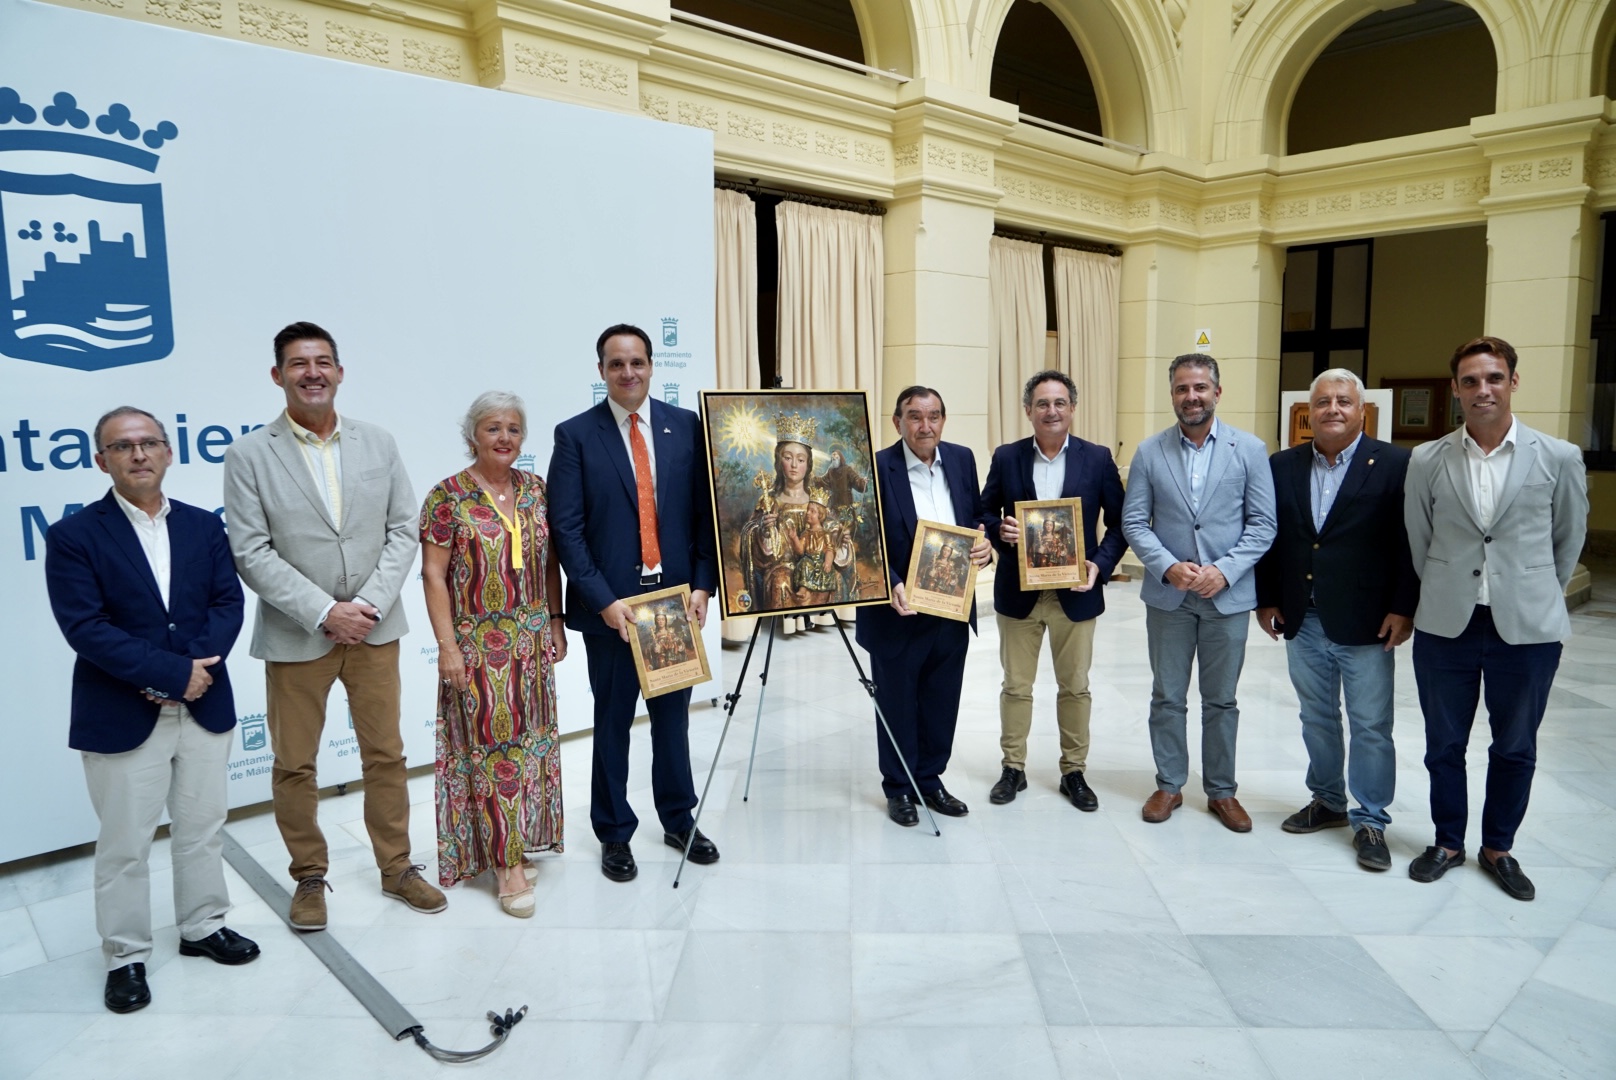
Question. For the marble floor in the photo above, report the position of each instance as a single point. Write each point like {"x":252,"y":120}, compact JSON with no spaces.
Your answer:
{"x":1029,"y":940}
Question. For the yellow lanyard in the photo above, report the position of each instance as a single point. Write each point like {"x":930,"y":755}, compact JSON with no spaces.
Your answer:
{"x":513,"y":524}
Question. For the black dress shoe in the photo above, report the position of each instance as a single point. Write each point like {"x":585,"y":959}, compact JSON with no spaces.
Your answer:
{"x":223,"y":946}
{"x":617,"y":861}
{"x":901,"y":809}
{"x":1074,"y":787}
{"x":127,"y":989}
{"x":1370,"y":844}
{"x":945,"y":804}
{"x":1509,"y":875}
{"x":1010,"y":782}
{"x":703,"y":851}
{"x":1433,"y":863}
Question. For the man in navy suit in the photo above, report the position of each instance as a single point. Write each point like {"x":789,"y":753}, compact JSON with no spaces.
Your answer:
{"x":1340,"y":585}
{"x":146,"y":594}
{"x":630,"y":512}
{"x":918,"y":661}
{"x":1053,"y":464}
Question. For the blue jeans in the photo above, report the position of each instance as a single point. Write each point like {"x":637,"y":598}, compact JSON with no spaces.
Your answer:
{"x":1195,"y":630}
{"x":1451,"y":674}
{"x":1320,"y":671}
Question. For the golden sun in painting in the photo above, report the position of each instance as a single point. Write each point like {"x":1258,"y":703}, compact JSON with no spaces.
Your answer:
{"x":745,"y":430}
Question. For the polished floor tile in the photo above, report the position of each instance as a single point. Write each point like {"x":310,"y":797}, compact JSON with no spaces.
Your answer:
{"x":1027,"y":940}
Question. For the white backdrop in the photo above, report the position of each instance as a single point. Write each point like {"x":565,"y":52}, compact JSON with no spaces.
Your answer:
{"x":453,"y":239}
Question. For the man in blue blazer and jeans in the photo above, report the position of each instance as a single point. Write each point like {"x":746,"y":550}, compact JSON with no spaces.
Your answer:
{"x":1053,"y":464}
{"x":917,"y":661}
{"x":146,"y":594}
{"x":1199,"y":514}
{"x":630,"y":512}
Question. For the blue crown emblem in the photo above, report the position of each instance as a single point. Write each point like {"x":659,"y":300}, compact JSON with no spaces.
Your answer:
{"x":84,"y":255}
{"x":599,"y":390}
{"x":526,"y":462}
{"x":670,"y":333}
{"x":670,"y":393}
{"x":254,"y":732}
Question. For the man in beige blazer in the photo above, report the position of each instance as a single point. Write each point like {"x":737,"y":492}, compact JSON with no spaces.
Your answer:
{"x":1497,"y":514}
{"x":322,"y":523}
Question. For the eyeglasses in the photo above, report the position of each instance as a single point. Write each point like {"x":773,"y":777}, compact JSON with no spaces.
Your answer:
{"x":147,"y":446}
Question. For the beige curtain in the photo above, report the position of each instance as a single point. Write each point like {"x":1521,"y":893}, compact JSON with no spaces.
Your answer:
{"x":735,"y":266}
{"x":831,"y":293}
{"x":1087,"y":293}
{"x":1017,"y":319}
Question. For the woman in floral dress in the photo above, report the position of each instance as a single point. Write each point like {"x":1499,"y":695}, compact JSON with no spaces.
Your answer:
{"x":493,"y":593}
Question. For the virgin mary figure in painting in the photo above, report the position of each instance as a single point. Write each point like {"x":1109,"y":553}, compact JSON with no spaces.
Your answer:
{"x":793,"y":557}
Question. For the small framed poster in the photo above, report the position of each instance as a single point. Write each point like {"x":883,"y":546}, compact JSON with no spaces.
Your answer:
{"x":942,"y":577}
{"x":668,"y":654}
{"x":1050,"y":554}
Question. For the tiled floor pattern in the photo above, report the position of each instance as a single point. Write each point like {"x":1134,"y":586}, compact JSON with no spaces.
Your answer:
{"x":1029,"y":941}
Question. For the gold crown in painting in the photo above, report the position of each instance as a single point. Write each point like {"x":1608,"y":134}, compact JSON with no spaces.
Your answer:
{"x":795,"y":428}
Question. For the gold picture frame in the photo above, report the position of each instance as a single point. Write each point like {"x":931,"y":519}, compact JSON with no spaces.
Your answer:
{"x":668,"y":654}
{"x":942,"y":578}
{"x":796,"y":501}
{"x":1055,"y":558}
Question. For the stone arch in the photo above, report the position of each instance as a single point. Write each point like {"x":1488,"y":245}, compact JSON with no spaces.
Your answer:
{"x":1131,"y":57}
{"x":1582,"y":49}
{"x":888,"y":30}
{"x":1278,"y":41}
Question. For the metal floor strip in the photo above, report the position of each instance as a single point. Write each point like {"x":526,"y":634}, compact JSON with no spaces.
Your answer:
{"x":394,"y":1018}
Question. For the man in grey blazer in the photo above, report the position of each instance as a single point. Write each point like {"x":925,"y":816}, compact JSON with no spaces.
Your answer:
{"x":1199,"y":512}
{"x":322,"y":523}
{"x":1496,"y":514}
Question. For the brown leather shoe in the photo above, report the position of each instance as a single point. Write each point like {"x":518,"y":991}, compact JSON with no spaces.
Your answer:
{"x":412,"y":888}
{"x":1231,"y":813}
{"x":1160,"y":806}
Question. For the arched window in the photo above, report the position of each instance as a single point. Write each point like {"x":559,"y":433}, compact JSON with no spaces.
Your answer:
{"x":1423,"y":67}
{"x":826,"y":25}
{"x":1038,"y":68}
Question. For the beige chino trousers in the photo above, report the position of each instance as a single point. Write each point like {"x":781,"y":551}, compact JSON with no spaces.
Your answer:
{"x":1071,"y":646}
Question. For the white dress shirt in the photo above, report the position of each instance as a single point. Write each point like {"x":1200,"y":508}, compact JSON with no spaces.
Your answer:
{"x":621,"y":415}
{"x":933,"y":501}
{"x":1488,"y":471}
{"x":1048,"y":473}
{"x":152,"y":532}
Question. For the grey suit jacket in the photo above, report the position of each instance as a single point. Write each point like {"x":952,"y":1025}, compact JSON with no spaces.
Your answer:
{"x":288,"y":551}
{"x":1232,"y":529}
{"x":1538,"y":527}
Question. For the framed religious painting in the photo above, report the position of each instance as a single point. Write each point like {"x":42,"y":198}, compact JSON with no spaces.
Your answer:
{"x":668,"y":654}
{"x":795,"y":501}
{"x":942,"y":578}
{"x":1050,"y":554}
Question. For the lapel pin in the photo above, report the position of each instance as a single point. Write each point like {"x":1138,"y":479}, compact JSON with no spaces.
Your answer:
{"x":1371,"y":461}
{"x":667,"y":431}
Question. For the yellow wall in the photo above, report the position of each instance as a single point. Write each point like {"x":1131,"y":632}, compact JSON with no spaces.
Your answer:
{"x":1602,"y":500}
{"x":1427,"y":296}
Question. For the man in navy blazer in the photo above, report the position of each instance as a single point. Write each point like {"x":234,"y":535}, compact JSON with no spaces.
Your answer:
{"x":146,"y":594}
{"x":1199,"y":513}
{"x":1340,"y":586}
{"x":630,"y":512}
{"x":1053,"y":464}
{"x":917,"y":661}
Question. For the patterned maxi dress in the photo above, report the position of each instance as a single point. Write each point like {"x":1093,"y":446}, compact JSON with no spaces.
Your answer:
{"x":498,"y":752}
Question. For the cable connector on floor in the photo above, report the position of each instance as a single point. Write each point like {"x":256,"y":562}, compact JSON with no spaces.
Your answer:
{"x":499,"y":1026}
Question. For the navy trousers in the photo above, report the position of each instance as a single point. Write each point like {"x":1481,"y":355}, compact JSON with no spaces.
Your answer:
{"x":1452,"y":674}
{"x":616,"y":689}
{"x":917,"y":686}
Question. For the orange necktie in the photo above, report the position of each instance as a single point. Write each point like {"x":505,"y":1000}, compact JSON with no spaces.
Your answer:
{"x":650,"y":550}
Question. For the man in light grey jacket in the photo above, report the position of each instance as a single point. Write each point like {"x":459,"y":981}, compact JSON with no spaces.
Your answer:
{"x":322,"y":524}
{"x":1497,"y":514}
{"x":1199,"y":512}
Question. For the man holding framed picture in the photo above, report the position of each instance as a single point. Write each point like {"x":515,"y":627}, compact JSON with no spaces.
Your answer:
{"x":1052,"y":464}
{"x":916,"y":660}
